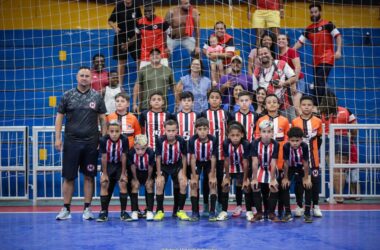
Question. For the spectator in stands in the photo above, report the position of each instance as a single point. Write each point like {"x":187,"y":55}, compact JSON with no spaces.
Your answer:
{"x":277,"y":77}
{"x":123,"y":22}
{"x":228,"y":82}
{"x":99,"y":74}
{"x":152,"y":78}
{"x":321,"y":34}
{"x":111,"y":91}
{"x":196,"y":83}
{"x":184,"y":20}
{"x":152,"y":29}
{"x":216,"y":65}
{"x":292,"y":57}
{"x":234,"y":106}
{"x":225,"y":40}
{"x":333,"y":114}
{"x":268,"y":14}
{"x":268,"y":40}
{"x":258,"y":101}
{"x":84,"y":108}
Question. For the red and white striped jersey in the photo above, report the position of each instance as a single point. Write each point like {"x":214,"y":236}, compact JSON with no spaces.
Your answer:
{"x":113,"y":149}
{"x":235,"y":155}
{"x":171,"y":154}
{"x":142,"y":162}
{"x":264,"y":154}
{"x":186,"y":122}
{"x":203,"y":151}
{"x":248,"y":121}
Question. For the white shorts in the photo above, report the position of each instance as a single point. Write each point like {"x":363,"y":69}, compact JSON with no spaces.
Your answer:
{"x":188,"y":43}
{"x":164,"y":61}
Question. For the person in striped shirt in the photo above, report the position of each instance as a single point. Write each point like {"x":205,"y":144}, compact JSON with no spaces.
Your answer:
{"x":142,"y":161}
{"x":296,"y":166}
{"x":203,"y":150}
{"x":171,"y":153}
{"x":264,"y":152}
{"x":114,"y":149}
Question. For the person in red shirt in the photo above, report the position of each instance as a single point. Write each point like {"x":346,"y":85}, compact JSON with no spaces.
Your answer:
{"x":321,"y":34}
{"x":99,"y":75}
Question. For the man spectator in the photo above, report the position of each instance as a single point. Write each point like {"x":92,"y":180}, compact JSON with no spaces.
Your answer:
{"x":228,"y":82}
{"x":278,"y":78}
{"x":152,"y":78}
{"x":98,"y":73}
{"x":184,"y":20}
{"x":84,"y":109}
{"x":268,"y":14}
{"x":321,"y":34}
{"x":123,"y":22}
{"x":152,"y":29}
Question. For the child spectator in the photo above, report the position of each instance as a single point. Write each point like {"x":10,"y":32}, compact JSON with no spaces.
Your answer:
{"x":217,"y":68}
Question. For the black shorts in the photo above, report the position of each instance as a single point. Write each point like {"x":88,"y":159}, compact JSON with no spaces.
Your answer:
{"x":120,"y":54}
{"x":142,"y":176}
{"x":79,"y":154}
{"x":237,"y":176}
{"x":173,"y":171}
{"x":203,"y":166}
{"x":114,"y":171}
{"x":295,"y":173}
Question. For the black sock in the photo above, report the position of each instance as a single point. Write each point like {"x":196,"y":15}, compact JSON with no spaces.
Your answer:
{"x":123,"y":201}
{"x":181,"y":201}
{"x":134,"y":202}
{"x":67,"y":206}
{"x":225,"y":201}
{"x":248,"y":201}
{"x":104,"y":202}
{"x":194,"y":204}
{"x":307,"y":201}
{"x":149,"y":201}
{"x":257,"y":200}
{"x":176,"y":202}
{"x":206,"y":189}
{"x":160,"y":202}
{"x":285,"y":197}
{"x":273,"y":198}
{"x":239,"y":196}
{"x":86,"y":205}
{"x":299,"y":193}
{"x":212,"y":202}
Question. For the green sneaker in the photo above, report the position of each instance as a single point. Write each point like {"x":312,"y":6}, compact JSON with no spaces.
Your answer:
{"x":159,"y":216}
{"x":212,"y":217}
{"x":182,"y":215}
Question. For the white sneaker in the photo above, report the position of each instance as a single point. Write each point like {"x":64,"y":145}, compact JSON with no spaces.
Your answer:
{"x":249,"y":215}
{"x":254,"y":210}
{"x":222,"y":216}
{"x":317,"y":211}
{"x":299,"y":212}
{"x":149,"y":215}
{"x":135,"y":215}
{"x":64,"y":214}
{"x":87,"y":214}
{"x":237,"y":212}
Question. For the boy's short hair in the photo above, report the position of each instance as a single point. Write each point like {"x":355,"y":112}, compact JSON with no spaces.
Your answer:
{"x":295,"y":132}
{"x":271,"y":95}
{"x":202,"y":122}
{"x":170,"y":122}
{"x":265,"y":124}
{"x":123,"y":95}
{"x":113,"y":123}
{"x":213,"y":90}
{"x":306,"y":97}
{"x":245,"y":93}
{"x":156,"y":93}
{"x":141,"y":140}
{"x":186,"y":94}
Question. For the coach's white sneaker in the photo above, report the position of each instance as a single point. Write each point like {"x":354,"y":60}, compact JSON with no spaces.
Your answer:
{"x":249,"y":215}
{"x":317,"y":211}
{"x":222,"y":216}
{"x":149,"y":215}
{"x":64,"y":214}
{"x":135,"y":215}
{"x":87,"y":214}
{"x":299,"y":212}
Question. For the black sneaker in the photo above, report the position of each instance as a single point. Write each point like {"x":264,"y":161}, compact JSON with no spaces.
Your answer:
{"x":307,"y":218}
{"x":142,"y":214}
{"x":124,"y":216}
{"x":103,"y":216}
{"x":194,"y":216}
{"x":287,"y":217}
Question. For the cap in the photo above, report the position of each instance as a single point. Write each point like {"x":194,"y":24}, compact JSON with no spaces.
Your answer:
{"x":237,"y":58}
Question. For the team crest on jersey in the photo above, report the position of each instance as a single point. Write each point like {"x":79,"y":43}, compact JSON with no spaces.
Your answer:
{"x":90,"y":167}
{"x":315,"y":173}
{"x":92,"y":105}
{"x":319,"y":28}
{"x":186,"y":135}
{"x":155,"y":27}
{"x":156,"y":132}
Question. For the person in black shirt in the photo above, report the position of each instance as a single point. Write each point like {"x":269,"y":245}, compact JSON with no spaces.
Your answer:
{"x":123,"y":22}
{"x":83,"y":108}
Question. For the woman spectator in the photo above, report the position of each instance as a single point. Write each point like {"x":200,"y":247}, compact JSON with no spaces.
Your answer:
{"x":268,"y":40}
{"x":196,"y":83}
{"x":292,"y":57}
{"x":258,"y":101}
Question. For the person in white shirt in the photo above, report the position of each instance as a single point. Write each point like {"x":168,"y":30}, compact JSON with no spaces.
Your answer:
{"x":111,"y":91}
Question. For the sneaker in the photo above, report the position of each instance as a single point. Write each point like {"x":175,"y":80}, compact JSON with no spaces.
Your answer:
{"x":299,"y":212}
{"x":124,"y":216}
{"x":273,"y":218}
{"x":135,"y":215}
{"x":287,"y":217}
{"x":149,"y":216}
{"x":254,"y":210}
{"x":194,"y":216}
{"x":64,"y":214}
{"x":205,"y":212}
{"x":237,"y":212}
{"x":159,"y":216}
{"x":257,"y":217}
{"x":103,"y":216}
{"x":317,"y":211}
{"x":181,"y":214}
{"x":222,"y":216}
{"x":212,"y":217}
{"x":87,"y":214}
{"x":307,"y":218}
{"x":249,"y":215}
{"x":142,"y":214}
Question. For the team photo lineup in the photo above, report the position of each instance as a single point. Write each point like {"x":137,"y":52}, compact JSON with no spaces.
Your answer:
{"x":255,"y":130}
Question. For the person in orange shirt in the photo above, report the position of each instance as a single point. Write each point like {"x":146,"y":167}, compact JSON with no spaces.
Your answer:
{"x":280,"y":133}
{"x":312,"y":127}
{"x":129,"y":123}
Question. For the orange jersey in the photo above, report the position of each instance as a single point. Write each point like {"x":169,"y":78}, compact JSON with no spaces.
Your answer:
{"x":312,"y":129}
{"x":129,"y":125}
{"x":280,"y":134}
